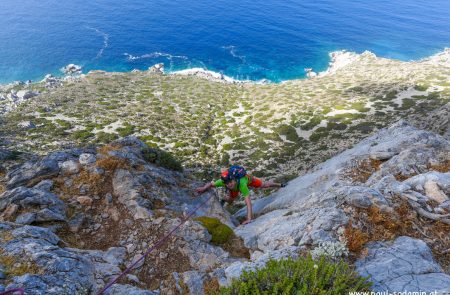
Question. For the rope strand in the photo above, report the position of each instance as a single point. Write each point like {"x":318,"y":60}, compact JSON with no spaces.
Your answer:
{"x":155,"y":246}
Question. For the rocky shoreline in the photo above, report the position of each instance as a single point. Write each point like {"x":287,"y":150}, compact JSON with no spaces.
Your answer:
{"x":338,"y":60}
{"x":10,"y":98}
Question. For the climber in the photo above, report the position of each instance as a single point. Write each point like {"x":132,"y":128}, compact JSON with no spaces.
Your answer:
{"x":238,"y":181}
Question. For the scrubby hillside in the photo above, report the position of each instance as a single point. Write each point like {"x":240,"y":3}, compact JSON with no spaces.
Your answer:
{"x":273,"y":129}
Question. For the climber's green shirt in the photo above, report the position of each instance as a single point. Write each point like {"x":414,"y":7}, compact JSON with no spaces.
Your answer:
{"x":243,"y":186}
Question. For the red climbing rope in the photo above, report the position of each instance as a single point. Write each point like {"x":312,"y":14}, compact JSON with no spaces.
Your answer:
{"x":155,"y":246}
{"x":21,"y":290}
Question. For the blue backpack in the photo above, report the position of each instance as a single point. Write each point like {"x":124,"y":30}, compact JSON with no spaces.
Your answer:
{"x":234,"y":173}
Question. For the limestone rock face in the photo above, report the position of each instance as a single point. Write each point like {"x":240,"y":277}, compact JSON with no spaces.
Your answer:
{"x":316,"y":207}
{"x":64,"y":202}
{"x":405,"y":264}
{"x":32,"y":170}
{"x":41,"y":205}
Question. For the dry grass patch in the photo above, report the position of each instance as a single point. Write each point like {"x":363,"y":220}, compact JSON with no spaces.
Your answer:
{"x":443,"y":168}
{"x":104,"y":150}
{"x":14,"y":267}
{"x":356,"y":238}
{"x":361,"y":170}
{"x":400,"y":177}
{"x":211,"y":287}
{"x":6,"y":236}
{"x":112,"y":163}
{"x":99,"y":184}
{"x":372,"y":224}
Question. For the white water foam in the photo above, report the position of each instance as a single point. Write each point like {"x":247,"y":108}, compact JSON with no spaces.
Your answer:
{"x":232,"y":51}
{"x":156,"y":54}
{"x":105,"y":41}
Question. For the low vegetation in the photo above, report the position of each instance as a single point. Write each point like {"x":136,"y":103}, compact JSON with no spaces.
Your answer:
{"x":162,"y":158}
{"x":301,"y":276}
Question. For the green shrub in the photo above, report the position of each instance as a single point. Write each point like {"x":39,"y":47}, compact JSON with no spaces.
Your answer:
{"x":225,"y":160}
{"x":319,"y":133}
{"x":220,"y":233}
{"x":314,"y":121}
{"x":391,"y":94}
{"x":336,"y":126}
{"x":180,"y":144}
{"x":105,"y":137}
{"x":421,"y":87}
{"x":13,"y":155}
{"x":162,"y":158}
{"x":82,"y":134}
{"x":360,"y":107}
{"x":301,"y":276}
{"x":126,"y":130}
{"x":364,"y":127}
{"x":64,"y":124}
{"x":288,"y":131}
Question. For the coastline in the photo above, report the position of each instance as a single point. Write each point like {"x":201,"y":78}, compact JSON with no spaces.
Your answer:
{"x":337,"y":60}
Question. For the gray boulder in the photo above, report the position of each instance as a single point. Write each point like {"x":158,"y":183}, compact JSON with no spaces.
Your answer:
{"x":86,"y":159}
{"x":26,"y":94}
{"x":157,"y":68}
{"x":404,"y":265}
{"x":71,"y":69}
{"x":60,"y":270}
{"x":26,"y":218}
{"x":69,"y":167}
{"x":30,"y":171}
{"x":26,"y":125}
{"x":129,"y":194}
{"x":31,"y":199}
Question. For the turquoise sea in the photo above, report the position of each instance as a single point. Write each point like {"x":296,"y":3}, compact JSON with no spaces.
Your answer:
{"x":254,"y":40}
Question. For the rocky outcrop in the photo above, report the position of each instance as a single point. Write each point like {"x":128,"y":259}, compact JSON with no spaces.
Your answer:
{"x":71,"y":69}
{"x":83,"y":215}
{"x":399,"y":164}
{"x":405,"y":264}
{"x":157,"y":69}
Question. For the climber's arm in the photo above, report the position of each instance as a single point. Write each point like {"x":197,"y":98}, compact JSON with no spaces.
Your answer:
{"x":202,"y":189}
{"x":248,"y":202}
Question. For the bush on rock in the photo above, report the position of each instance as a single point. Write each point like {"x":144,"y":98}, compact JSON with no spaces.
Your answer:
{"x":302,"y":276}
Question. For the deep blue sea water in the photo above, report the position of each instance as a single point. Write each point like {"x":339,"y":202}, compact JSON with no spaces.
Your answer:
{"x":255,"y":39}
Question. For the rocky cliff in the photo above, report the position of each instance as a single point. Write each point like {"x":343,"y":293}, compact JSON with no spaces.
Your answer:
{"x":387,"y":199}
{"x":74,"y":219}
